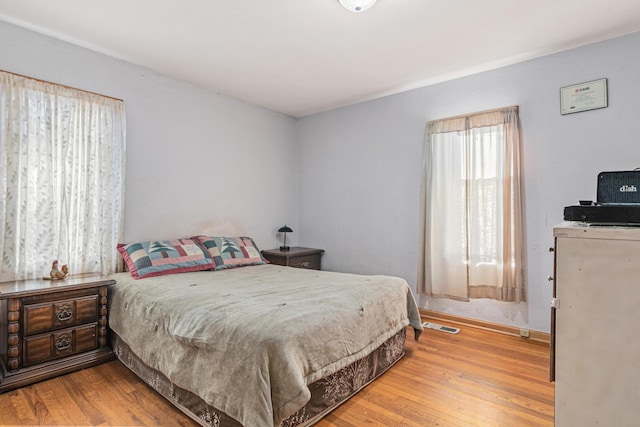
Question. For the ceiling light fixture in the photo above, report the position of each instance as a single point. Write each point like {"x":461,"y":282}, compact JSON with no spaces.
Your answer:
{"x":357,"y":5}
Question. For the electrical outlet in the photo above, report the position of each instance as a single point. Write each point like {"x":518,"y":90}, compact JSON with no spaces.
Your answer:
{"x":524,"y":333}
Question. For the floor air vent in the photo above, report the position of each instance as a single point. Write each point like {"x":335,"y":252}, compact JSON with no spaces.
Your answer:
{"x":435,"y":326}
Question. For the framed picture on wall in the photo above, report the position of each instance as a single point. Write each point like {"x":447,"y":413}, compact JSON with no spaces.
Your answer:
{"x":583,"y":97}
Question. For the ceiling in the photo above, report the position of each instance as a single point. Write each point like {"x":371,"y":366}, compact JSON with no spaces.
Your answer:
{"x":301,"y":57}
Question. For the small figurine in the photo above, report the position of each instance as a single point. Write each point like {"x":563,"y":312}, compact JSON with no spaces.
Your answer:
{"x":55,"y":273}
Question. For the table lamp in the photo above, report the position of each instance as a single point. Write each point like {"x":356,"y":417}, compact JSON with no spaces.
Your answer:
{"x":285,"y":230}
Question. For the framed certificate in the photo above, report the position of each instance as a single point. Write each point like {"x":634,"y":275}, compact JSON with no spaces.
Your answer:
{"x":583,"y":97}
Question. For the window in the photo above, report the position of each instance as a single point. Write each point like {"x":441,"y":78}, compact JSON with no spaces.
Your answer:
{"x":471,"y":226}
{"x":61,"y":178}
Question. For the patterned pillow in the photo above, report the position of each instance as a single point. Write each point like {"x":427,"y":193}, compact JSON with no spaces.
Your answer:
{"x":159,"y":257}
{"x":228,"y":252}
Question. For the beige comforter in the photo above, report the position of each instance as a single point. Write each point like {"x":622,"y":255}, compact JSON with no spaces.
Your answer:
{"x":249,"y":340}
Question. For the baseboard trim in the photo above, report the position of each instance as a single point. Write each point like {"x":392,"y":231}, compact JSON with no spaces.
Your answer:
{"x":439,"y":317}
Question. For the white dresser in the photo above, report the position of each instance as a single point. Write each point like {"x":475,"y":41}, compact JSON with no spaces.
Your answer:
{"x":597,"y":325}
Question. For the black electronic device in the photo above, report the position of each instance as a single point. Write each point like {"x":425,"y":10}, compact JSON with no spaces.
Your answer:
{"x":619,"y":188}
{"x":618,"y":201}
{"x":603,"y":214}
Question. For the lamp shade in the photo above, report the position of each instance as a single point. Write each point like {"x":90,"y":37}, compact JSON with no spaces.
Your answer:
{"x":357,"y":5}
{"x":285,"y":229}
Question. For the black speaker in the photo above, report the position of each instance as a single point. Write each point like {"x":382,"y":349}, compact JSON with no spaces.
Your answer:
{"x":619,"y":188}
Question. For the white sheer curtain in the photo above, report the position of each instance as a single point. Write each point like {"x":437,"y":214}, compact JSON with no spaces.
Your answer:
{"x":62,"y":163}
{"x":471,"y":235}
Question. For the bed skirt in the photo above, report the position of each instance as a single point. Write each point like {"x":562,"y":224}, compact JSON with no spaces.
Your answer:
{"x":326,"y":394}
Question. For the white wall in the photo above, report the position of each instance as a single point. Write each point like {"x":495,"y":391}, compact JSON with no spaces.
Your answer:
{"x":360,"y":166}
{"x":197,"y":161}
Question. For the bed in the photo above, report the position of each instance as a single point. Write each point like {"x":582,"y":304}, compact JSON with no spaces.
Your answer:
{"x":261,"y":345}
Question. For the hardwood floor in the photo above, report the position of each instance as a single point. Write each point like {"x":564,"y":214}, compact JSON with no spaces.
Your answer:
{"x":474,"y":378}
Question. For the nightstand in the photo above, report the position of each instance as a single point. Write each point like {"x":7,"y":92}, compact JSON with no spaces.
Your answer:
{"x":295,"y":257}
{"x":49,"y":328}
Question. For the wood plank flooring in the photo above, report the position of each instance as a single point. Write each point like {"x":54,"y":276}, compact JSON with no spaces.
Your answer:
{"x":474,"y":378}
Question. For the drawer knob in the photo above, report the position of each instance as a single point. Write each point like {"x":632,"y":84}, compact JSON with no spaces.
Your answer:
{"x":63,"y":342}
{"x":64,"y":312}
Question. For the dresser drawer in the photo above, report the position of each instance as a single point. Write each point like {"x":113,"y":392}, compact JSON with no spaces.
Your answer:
{"x":52,"y":315}
{"x":44,"y":347}
{"x":311,"y":262}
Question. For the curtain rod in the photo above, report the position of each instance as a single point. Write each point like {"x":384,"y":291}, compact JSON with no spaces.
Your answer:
{"x":61,"y":85}
{"x":476,"y":113}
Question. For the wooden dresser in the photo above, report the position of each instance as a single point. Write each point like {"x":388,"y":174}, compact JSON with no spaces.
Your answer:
{"x":49,"y":328}
{"x":295,"y":257}
{"x":596,"y":300}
